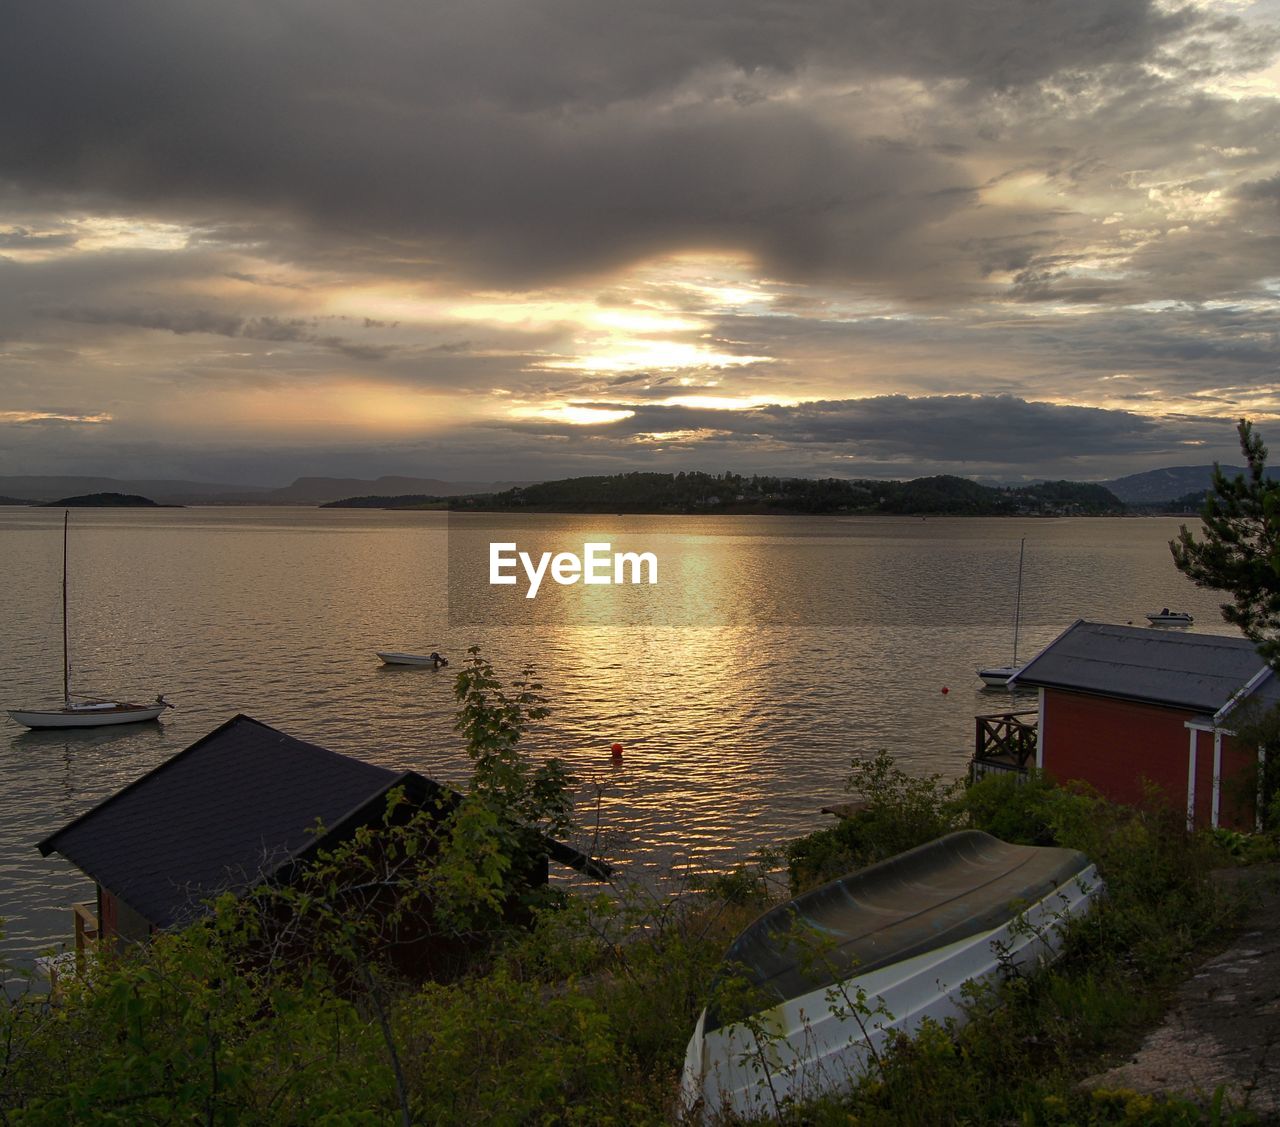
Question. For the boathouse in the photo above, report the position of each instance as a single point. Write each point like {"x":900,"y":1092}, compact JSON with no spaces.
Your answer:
{"x":1123,"y":707}
{"x":237,"y":809}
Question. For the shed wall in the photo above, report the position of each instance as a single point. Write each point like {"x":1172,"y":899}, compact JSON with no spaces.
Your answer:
{"x":1115,"y":745}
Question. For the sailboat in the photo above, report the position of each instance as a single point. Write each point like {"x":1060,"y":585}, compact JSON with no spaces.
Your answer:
{"x":997,"y":676}
{"x":84,"y":712}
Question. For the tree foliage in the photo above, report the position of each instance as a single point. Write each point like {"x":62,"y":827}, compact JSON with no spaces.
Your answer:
{"x":1239,"y":552}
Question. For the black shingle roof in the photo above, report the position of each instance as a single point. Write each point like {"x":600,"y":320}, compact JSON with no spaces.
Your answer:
{"x":1200,"y":672}
{"x":225,"y":814}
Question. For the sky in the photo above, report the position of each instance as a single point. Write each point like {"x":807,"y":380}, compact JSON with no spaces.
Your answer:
{"x":522,"y":239}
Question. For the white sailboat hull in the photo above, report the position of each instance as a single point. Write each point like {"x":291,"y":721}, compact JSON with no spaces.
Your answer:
{"x":119,"y":713}
{"x":86,"y":712}
{"x":997,"y":677}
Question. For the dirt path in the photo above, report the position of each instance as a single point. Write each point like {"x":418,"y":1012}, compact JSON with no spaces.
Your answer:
{"x":1224,"y":1027}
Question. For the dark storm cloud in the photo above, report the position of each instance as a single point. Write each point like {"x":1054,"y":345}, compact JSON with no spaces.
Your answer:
{"x":284,"y":330}
{"x":887,"y":436}
{"x":953,"y":429}
{"x":1261,"y":191}
{"x":525,"y":140}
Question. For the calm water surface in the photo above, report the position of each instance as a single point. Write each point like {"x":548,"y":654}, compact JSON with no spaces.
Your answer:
{"x":735,"y":735}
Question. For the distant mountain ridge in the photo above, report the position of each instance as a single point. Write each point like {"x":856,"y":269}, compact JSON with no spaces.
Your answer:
{"x":304,"y":491}
{"x":320,"y":490}
{"x":1171,"y":483}
{"x":50,"y":488}
{"x":1151,"y":487}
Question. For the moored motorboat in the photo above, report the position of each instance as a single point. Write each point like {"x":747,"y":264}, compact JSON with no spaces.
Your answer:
{"x":836,"y":974}
{"x":393,"y":657}
{"x":1169,"y":617}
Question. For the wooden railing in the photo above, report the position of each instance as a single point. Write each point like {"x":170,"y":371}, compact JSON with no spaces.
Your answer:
{"x":86,"y":932}
{"x":1006,"y":738}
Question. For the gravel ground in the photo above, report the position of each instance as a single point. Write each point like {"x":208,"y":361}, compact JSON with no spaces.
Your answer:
{"x":1224,"y":1026}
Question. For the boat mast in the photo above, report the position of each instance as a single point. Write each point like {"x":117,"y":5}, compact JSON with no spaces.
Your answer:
{"x":1017,"y":611}
{"x":66,"y":660}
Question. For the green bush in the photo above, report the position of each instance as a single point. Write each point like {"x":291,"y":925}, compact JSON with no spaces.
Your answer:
{"x":895,"y":811}
{"x":1013,"y":809}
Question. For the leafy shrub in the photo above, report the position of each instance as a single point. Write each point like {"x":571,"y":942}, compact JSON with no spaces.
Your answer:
{"x":896,"y":811}
{"x":1012,"y":809}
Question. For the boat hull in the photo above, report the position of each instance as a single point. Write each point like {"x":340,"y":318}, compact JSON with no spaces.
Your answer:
{"x":1170,"y":619}
{"x":997,"y":677}
{"x":85,"y":718}
{"x":390,"y":658}
{"x":825,"y":1039}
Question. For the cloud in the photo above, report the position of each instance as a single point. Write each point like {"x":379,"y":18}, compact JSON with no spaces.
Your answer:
{"x":526,"y":142}
{"x":1061,"y":207}
{"x":182,"y":322}
{"x":21,"y":239}
{"x":982,"y":433}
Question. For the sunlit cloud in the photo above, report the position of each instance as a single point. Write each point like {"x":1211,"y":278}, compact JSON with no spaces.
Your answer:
{"x":575,"y":414}
{"x":630,"y":355}
{"x":52,"y":417}
{"x":725,"y":402}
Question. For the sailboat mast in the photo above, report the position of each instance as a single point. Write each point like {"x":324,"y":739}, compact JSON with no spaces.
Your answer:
{"x":1017,"y":606}
{"x":66,"y":659}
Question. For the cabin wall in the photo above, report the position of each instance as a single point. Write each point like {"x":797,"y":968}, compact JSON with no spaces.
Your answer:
{"x":1116,"y":745}
{"x":118,"y":923}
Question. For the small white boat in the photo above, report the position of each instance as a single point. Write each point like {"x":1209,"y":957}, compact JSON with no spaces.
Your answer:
{"x":392,"y":657}
{"x":83,"y":713}
{"x":90,"y":713}
{"x":997,"y":676}
{"x":1169,"y":617}
{"x":838,"y":973}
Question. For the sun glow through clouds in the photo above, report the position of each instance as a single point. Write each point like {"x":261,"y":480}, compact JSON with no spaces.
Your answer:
{"x":576,"y":414}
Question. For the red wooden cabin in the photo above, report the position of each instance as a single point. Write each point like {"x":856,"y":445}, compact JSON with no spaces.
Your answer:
{"x":1122,"y":707}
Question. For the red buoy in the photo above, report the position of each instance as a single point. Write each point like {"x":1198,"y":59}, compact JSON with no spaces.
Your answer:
{"x":617,"y":751}
{"x":945,"y":690}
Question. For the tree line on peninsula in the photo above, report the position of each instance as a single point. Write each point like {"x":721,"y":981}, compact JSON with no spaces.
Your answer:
{"x":697,"y":492}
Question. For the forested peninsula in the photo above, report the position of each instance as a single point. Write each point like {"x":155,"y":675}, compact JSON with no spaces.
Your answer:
{"x":704,"y":493}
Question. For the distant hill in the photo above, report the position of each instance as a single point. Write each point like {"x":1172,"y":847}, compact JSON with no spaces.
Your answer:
{"x":735,"y":493}
{"x":165,"y":491}
{"x":304,"y":491}
{"x":104,"y":501}
{"x":13,"y":501}
{"x":321,"y":490}
{"x":1167,"y":484}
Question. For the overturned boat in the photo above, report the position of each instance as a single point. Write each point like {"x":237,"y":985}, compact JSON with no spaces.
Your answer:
{"x":813,"y":991}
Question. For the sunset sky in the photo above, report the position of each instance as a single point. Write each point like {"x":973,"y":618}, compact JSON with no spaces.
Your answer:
{"x":477,"y":239}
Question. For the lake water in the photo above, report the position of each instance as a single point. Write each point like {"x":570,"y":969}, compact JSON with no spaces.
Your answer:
{"x":735,"y":733}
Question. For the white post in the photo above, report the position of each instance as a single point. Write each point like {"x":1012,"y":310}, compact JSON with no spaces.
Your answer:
{"x":1191,"y":782}
{"x":1040,"y":734}
{"x":1217,"y":774}
{"x":1257,"y":805}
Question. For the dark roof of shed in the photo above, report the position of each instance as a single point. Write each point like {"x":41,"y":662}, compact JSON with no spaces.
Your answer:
{"x":1199,"y":672}
{"x":225,"y":814}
